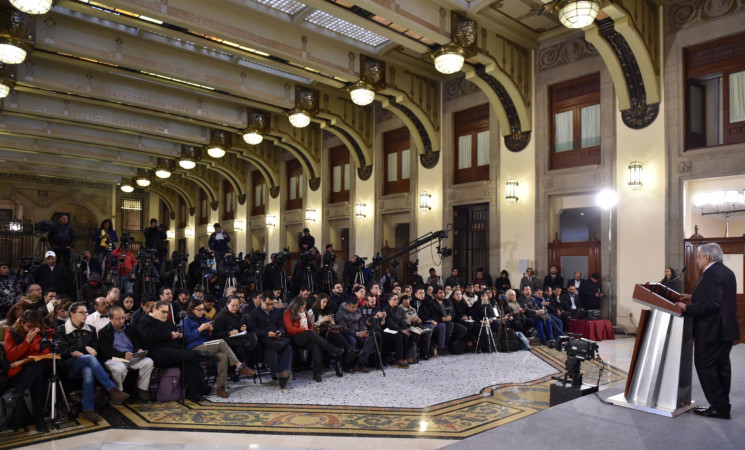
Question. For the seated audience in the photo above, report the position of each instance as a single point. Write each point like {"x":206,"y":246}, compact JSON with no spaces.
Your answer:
{"x":322,"y":315}
{"x":268,"y":324}
{"x":571,"y":302}
{"x":354,"y":330}
{"x":230,"y":325}
{"x":378,"y":321}
{"x":421,"y":335}
{"x":100,"y":318}
{"x":538,"y":314}
{"x":395,"y":320}
{"x":59,"y":315}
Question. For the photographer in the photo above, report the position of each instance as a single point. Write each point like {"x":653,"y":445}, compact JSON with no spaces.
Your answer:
{"x":415,"y":280}
{"x":155,"y":236}
{"x":270,"y":272}
{"x":23,"y":340}
{"x":62,"y":240}
{"x":79,"y":347}
{"x":306,"y":241}
{"x":219,"y":242}
{"x":126,"y":261}
{"x":353,"y":267}
{"x":105,"y":239}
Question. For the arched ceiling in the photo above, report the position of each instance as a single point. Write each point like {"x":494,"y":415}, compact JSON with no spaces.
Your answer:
{"x":113,"y":85}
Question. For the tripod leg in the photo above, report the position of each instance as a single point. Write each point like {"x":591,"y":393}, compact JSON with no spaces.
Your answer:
{"x":478,"y":338}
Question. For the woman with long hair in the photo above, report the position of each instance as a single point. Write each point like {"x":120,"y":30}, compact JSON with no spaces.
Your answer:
{"x":105,"y":237}
{"x":128,"y":304}
{"x":23,"y":341}
{"x":199,"y":336}
{"x":670,"y":281}
{"x":300,"y":328}
{"x":323,"y":312}
{"x":59,"y":314}
{"x":462,"y":314}
{"x":503,"y":282}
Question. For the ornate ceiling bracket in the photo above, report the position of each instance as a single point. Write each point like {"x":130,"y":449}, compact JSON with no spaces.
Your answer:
{"x":628,"y":43}
{"x":182,"y":192}
{"x":515,"y":138}
{"x":166,"y":199}
{"x":363,"y":165}
{"x":427,"y":156}
{"x":200,"y":180}
{"x":227,"y":168}
{"x":309,"y":168}
{"x":266,"y":160}
{"x":303,"y":143}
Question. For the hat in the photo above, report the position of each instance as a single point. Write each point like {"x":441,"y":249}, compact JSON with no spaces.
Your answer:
{"x":217,"y":225}
{"x":49,"y":253}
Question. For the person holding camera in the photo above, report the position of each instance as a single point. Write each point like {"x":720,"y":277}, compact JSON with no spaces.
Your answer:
{"x":306,"y":241}
{"x":219,"y":242}
{"x":22,"y":341}
{"x":155,"y":237}
{"x":78,"y":346}
{"x":62,"y":239}
{"x":105,"y":239}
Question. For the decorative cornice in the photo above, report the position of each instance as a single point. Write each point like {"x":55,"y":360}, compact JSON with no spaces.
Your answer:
{"x":685,"y":13}
{"x":459,"y":87}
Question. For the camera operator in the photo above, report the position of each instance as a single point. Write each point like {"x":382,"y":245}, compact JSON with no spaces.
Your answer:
{"x":306,"y":241}
{"x":62,"y":240}
{"x":126,"y":262}
{"x":23,"y":340}
{"x":169,"y":268}
{"x":145,"y":273}
{"x":414,"y":279}
{"x":9,"y":292}
{"x":105,"y":239}
{"x":350,"y":271}
{"x":270,"y":273}
{"x":386,"y":281}
{"x":219,"y":242}
{"x":155,"y":236}
{"x":52,"y":275}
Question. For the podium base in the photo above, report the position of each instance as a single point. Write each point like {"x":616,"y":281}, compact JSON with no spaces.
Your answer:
{"x":620,"y":400}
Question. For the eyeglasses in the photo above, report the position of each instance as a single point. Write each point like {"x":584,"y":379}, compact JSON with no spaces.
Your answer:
{"x":81,"y":312}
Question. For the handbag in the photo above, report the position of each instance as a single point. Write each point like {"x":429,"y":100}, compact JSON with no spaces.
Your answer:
{"x":277,"y":344}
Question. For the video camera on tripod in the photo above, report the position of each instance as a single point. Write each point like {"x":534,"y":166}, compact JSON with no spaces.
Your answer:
{"x":145,"y":257}
{"x":308,"y":258}
{"x":231,"y":263}
{"x":329,"y":258}
{"x":281,"y":257}
{"x":43,"y":227}
{"x":179,"y":259}
{"x":413,"y":265}
{"x":205,"y":258}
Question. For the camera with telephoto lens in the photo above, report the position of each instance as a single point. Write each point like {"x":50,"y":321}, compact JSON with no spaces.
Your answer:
{"x":179,"y":258}
{"x":377,"y":260}
{"x":329,"y":258}
{"x":308,"y":258}
{"x":29,"y":263}
{"x":283,"y":256}
{"x":258,"y":257}
{"x":43,"y":226}
{"x":360,"y":263}
{"x":49,"y":342}
{"x":125,"y":239}
{"x":577,"y":347}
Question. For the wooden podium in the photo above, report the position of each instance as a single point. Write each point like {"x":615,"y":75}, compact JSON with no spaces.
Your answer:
{"x":659,"y":379}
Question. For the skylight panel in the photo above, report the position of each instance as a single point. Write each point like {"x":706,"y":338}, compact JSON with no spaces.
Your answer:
{"x":350,"y":30}
{"x":290,"y":7}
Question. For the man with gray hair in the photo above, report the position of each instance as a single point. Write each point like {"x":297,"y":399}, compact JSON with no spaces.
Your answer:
{"x":713,"y":307}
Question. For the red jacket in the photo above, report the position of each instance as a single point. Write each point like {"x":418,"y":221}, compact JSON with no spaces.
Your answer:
{"x":294,"y":328}
{"x":21,"y":351}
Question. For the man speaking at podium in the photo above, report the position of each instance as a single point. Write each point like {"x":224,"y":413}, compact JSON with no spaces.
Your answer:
{"x":713,"y":308}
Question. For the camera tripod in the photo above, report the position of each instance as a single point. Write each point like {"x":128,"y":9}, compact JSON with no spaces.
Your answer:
{"x":230,"y":281}
{"x":489,"y":334}
{"x":258,"y":279}
{"x":54,"y":384}
{"x":327,"y":278}
{"x":308,"y":278}
{"x":179,"y":278}
{"x":283,"y":282}
{"x":573,"y":373}
{"x":359,"y":277}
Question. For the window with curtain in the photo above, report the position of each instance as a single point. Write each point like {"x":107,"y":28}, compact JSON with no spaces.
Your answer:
{"x":259,"y":193}
{"x":715,"y":93}
{"x":204,"y":209}
{"x":294,"y":184}
{"x":471,"y":129}
{"x":228,"y":198}
{"x":397,"y":161}
{"x":131,"y":214}
{"x":575,"y":122}
{"x":340,"y":169}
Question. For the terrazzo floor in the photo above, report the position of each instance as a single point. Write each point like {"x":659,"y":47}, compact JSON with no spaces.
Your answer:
{"x":419,"y":386}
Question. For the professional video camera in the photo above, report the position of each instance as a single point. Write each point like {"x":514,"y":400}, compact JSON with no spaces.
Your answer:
{"x":179,"y":259}
{"x":377,"y":260}
{"x":77,"y":259}
{"x":125,"y":239}
{"x":231,"y":263}
{"x":205,"y":258}
{"x":43,"y":226}
{"x":145,"y":257}
{"x":258,"y":257}
{"x":360,"y":263}
{"x":329,"y":258}
{"x":29,"y":263}
{"x":308,"y":258}
{"x":283,"y":256}
{"x":413,"y":265}
{"x":577,"y":347}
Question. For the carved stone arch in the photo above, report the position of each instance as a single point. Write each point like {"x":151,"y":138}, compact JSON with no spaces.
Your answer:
{"x":181,"y":192}
{"x":423,"y":132}
{"x":233,"y":178}
{"x":163,"y":196}
{"x":202,"y":183}
{"x":360,"y":152}
{"x":270,"y":176}
{"x":310,"y":167}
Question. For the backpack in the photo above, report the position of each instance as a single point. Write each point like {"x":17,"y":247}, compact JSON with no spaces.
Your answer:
{"x":15,"y":416}
{"x":169,"y":387}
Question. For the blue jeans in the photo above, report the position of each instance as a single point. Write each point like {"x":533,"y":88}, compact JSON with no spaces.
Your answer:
{"x":367,"y":345}
{"x":91,"y":370}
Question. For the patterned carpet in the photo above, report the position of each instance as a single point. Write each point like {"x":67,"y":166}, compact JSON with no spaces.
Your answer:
{"x":493,"y":406}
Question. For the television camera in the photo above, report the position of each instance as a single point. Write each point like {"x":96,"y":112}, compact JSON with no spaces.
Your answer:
{"x":578,"y":349}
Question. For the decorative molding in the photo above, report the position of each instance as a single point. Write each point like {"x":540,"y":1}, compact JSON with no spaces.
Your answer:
{"x":192,"y":211}
{"x":459,"y":87}
{"x":274,"y":192}
{"x":564,"y":53}
{"x":314,"y":183}
{"x":364,"y":172}
{"x":691,"y":12}
{"x":598,"y":178}
{"x":517,"y":140}
{"x":356,"y":149}
{"x":382,"y":114}
{"x":685,"y":166}
{"x":242,"y":199}
{"x":429,"y":158}
{"x":214,"y":205}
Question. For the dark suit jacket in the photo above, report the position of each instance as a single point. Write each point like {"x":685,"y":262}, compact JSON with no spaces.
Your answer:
{"x":55,"y":279}
{"x":566,"y":302}
{"x":106,"y":342}
{"x":570,"y":282}
{"x":714,"y":307}
{"x":557,"y":281}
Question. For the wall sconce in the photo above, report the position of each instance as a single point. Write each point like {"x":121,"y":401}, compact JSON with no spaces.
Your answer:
{"x":220,"y":142}
{"x":143,"y":177}
{"x":271,"y":220}
{"x":13,"y":32}
{"x":239,"y":225}
{"x":15,"y":225}
{"x":189,"y":232}
{"x":306,"y":105}
{"x":635,"y":175}
{"x":126,"y":186}
{"x":170,"y":235}
{"x":359,"y":210}
{"x":512,"y":190}
{"x":425,"y":201}
{"x":372,"y":79}
{"x":210,"y":228}
{"x":190,"y":154}
{"x":450,"y":58}
{"x":258,"y":124}
{"x":310,"y":215}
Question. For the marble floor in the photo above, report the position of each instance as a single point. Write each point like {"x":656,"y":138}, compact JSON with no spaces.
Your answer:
{"x":514,"y":397}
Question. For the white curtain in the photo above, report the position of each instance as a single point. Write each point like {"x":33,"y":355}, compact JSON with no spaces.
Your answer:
{"x":590,"y":126}
{"x":737,"y":97}
{"x":464,"y":152}
{"x":337,"y":178}
{"x":405,"y":164}
{"x":482,"y":148}
{"x":293,"y":188}
{"x":346,"y":177}
{"x":563,"y":139}
{"x":300,"y":186}
{"x":392,"y":167}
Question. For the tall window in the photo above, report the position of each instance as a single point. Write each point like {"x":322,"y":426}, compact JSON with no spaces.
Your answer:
{"x":339,"y":169}
{"x":295,"y":184}
{"x":715,"y":93}
{"x":165,"y":215}
{"x":471,"y":144}
{"x":228,"y":200}
{"x":259,"y":193}
{"x":397,"y":161}
{"x":204,"y":208}
{"x":131,"y":214}
{"x":575,"y":123}
{"x":182,"y":213}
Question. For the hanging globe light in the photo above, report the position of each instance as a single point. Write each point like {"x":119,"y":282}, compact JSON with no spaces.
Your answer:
{"x":577,"y":13}
{"x":33,"y":6}
{"x":299,"y":118}
{"x":362,"y":93}
{"x":449,"y":59}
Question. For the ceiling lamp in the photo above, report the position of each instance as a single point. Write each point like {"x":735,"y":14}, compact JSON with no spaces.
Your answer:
{"x":13,"y":31}
{"x":219,"y":143}
{"x":143,"y":177}
{"x":164,"y":168}
{"x":306,"y":105}
{"x":577,"y":13}
{"x":33,"y":6}
{"x":126,"y":186}
{"x":362,"y":93}
{"x":190,"y":154}
{"x":258,"y":124}
{"x":372,"y":79}
{"x":449,"y":59}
